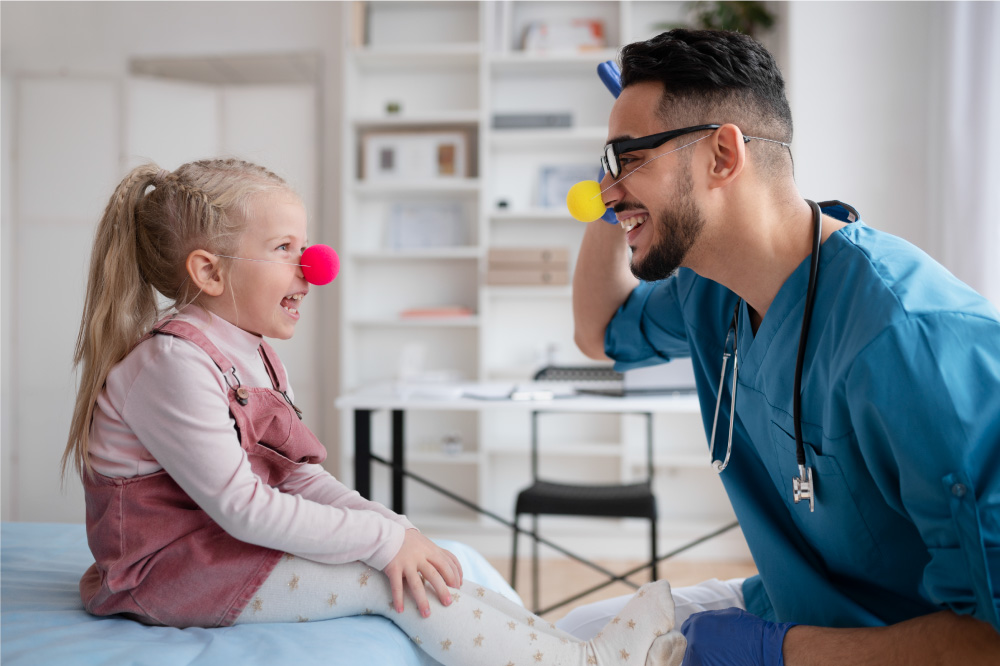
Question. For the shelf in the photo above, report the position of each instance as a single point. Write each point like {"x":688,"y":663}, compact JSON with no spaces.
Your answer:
{"x":437,"y":118}
{"x":548,"y":61}
{"x":532,"y":214}
{"x":417,"y":55}
{"x":541,"y":291}
{"x":441,"y":186}
{"x":419,"y":254}
{"x":416,"y":322}
{"x":503,"y":139}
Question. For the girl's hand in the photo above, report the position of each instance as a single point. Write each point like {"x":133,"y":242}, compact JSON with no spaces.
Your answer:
{"x":419,"y":560}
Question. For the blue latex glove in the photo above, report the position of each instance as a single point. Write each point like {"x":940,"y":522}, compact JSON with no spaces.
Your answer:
{"x":733,"y":637}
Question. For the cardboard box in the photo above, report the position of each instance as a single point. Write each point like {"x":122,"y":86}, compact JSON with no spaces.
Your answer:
{"x":534,"y":257}
{"x":527,"y":276}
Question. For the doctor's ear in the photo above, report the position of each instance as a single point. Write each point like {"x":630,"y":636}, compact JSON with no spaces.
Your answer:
{"x":205,"y":273}
{"x":728,"y":155}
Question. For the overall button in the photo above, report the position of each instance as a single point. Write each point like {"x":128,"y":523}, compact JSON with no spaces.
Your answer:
{"x":959,"y":490}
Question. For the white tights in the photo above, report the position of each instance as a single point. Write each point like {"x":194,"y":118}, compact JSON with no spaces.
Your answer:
{"x":479,"y":627}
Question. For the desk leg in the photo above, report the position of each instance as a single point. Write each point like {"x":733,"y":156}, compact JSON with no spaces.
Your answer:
{"x":363,"y":452}
{"x":398,"y":461}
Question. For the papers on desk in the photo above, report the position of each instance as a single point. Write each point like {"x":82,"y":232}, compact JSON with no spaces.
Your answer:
{"x":533,"y":391}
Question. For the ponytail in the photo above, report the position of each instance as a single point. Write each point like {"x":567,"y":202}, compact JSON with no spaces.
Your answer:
{"x":140,"y":248}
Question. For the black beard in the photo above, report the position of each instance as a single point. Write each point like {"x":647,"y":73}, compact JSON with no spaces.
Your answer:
{"x":680,"y":230}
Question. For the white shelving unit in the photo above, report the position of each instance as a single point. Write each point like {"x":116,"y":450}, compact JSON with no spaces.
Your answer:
{"x":444,"y":66}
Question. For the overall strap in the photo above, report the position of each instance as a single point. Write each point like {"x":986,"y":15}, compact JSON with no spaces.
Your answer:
{"x":191,"y":333}
{"x":277,"y":374}
{"x":274,"y":368}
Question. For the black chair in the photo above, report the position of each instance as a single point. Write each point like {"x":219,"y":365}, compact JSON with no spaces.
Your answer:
{"x":542,"y":497}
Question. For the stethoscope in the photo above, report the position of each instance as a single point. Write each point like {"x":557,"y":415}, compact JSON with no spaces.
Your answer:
{"x":802,"y":485}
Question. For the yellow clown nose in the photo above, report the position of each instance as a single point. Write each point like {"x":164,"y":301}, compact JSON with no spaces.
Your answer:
{"x":584,"y":201}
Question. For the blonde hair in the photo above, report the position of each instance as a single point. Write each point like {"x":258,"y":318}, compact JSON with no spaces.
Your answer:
{"x":140,"y":249}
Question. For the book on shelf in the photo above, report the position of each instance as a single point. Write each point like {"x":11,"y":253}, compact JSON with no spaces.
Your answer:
{"x":439,"y":311}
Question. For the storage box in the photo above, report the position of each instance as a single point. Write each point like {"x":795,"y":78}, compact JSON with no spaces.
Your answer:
{"x":527,"y":277}
{"x":528,"y":266}
{"x":530,"y":256}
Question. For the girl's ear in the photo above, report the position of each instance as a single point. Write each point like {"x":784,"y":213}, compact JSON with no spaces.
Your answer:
{"x":203,"y":269}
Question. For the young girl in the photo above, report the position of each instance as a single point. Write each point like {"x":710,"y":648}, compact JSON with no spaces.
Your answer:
{"x":206,"y":505}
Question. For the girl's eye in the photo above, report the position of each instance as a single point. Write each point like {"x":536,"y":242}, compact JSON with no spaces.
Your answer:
{"x":283,"y":247}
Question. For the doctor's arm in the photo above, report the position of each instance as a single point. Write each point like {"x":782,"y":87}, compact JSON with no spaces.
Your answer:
{"x":602,"y":281}
{"x":940,"y":638}
{"x":733,"y":637}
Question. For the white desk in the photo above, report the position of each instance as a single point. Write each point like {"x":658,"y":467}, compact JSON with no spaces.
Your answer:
{"x":530,"y":397}
{"x":455,"y":397}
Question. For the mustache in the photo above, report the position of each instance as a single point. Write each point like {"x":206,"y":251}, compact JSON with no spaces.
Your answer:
{"x":626,"y":205}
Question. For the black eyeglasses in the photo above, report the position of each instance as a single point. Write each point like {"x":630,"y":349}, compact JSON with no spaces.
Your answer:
{"x":612,"y":151}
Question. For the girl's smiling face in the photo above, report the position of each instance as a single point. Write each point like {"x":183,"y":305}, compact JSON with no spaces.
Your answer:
{"x":265,"y":297}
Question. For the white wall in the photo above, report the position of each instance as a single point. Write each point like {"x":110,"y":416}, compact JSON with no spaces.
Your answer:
{"x":46,"y":48}
{"x":857,"y":80}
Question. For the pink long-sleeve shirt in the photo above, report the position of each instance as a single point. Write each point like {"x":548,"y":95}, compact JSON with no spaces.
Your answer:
{"x":165,"y":407}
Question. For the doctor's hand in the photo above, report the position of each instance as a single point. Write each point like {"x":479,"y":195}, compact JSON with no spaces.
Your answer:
{"x":420,"y":560}
{"x":733,"y":637}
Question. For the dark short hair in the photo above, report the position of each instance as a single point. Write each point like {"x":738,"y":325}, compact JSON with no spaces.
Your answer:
{"x":713,"y":76}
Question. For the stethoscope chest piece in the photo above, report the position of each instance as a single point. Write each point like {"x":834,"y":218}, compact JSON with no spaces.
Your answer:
{"x":802,"y":487}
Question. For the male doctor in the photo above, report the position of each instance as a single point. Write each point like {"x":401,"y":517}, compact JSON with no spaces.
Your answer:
{"x":895,"y":557}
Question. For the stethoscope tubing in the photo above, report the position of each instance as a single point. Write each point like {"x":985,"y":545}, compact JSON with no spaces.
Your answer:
{"x":800,"y":455}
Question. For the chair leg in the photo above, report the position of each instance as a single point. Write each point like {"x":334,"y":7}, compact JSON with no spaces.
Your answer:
{"x":652,"y":539}
{"x":513,"y":554}
{"x":535,"y":584}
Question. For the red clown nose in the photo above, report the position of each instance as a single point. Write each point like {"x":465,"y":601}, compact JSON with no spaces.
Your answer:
{"x":320,"y":264}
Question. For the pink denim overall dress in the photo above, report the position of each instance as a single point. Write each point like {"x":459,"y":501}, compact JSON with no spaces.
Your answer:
{"x":160,"y":559}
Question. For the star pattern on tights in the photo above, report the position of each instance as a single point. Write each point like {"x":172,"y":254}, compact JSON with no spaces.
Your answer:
{"x":293,"y":584}
{"x":446,"y":644}
{"x":363,"y":580}
{"x":332,"y":601}
{"x":512,"y":625}
{"x":631,"y":624}
{"x":257,"y":605}
{"x":478,"y":640}
{"x":478,"y":613}
{"x":539,"y":656}
{"x":303,"y":619}
{"x":623,"y":654}
{"x":481,"y":591}
{"x":532,"y":637}
{"x":416,"y":639}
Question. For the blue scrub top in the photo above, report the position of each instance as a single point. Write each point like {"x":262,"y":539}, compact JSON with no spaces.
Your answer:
{"x":901,"y":424}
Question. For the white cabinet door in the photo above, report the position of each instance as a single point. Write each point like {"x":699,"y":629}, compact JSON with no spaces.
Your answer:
{"x":67,"y":136}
